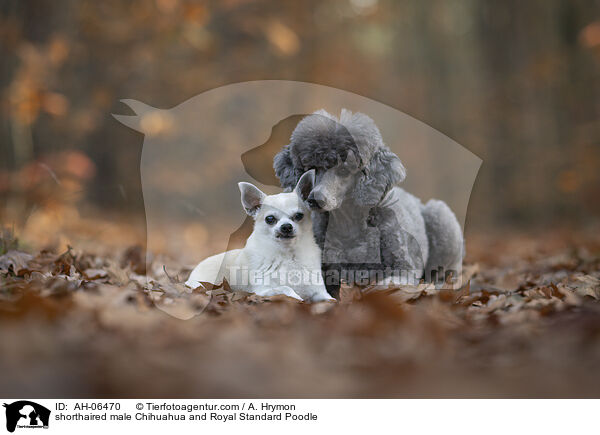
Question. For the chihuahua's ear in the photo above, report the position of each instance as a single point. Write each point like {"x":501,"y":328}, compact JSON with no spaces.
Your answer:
{"x":305,"y":184}
{"x":252,"y":197}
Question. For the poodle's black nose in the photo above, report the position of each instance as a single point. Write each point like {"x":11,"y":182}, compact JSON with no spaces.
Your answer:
{"x":315,"y":200}
{"x":286,"y":229}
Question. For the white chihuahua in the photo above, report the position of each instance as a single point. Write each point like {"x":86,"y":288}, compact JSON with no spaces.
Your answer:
{"x":280,"y":256}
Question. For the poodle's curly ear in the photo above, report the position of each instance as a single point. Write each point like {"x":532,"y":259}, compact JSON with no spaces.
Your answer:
{"x":284,"y":168}
{"x":384,"y":171}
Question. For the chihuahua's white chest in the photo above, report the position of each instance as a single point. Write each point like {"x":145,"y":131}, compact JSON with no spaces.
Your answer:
{"x":296,"y":267}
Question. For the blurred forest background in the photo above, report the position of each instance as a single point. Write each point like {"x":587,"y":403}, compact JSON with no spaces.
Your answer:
{"x":517,"y":83}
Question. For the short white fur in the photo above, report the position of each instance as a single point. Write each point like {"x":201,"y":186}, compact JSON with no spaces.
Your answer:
{"x":275,"y":259}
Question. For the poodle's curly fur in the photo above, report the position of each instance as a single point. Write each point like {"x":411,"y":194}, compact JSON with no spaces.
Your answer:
{"x":362,"y":220}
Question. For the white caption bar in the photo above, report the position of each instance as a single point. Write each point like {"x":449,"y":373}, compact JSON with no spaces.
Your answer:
{"x":264,"y":416}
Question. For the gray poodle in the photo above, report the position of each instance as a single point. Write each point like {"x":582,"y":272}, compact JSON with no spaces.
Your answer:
{"x":370,"y":230}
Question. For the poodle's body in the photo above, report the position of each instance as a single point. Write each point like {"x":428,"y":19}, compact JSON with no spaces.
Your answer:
{"x":370,"y":230}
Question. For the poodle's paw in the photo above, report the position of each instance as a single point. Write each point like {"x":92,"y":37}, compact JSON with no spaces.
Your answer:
{"x":392,"y":282}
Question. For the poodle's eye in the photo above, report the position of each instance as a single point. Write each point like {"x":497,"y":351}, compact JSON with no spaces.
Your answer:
{"x":298,"y":217}
{"x":270,"y":219}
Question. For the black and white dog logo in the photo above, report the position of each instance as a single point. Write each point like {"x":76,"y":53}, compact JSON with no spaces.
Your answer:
{"x":26,"y":414}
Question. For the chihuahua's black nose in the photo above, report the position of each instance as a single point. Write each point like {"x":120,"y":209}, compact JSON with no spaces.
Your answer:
{"x":315,"y":200}
{"x":286,"y":229}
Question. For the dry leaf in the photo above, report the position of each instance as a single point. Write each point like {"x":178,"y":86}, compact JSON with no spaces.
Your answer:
{"x":15,"y":261}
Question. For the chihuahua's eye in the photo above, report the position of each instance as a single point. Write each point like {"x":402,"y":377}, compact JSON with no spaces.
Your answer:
{"x":270,"y":219}
{"x":298,"y":217}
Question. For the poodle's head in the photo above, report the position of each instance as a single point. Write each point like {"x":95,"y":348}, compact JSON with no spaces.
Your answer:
{"x":350,"y":160}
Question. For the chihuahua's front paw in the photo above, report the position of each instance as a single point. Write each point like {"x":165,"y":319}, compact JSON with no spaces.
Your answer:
{"x":321,"y":296}
{"x":283,"y":290}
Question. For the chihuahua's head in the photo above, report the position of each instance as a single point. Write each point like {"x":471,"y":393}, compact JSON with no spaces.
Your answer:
{"x":282,"y":217}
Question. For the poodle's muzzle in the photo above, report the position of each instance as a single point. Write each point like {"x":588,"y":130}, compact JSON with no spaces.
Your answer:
{"x":316,"y":200}
{"x":330,"y":189}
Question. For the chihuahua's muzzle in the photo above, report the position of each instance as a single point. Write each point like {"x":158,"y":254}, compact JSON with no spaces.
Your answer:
{"x":286,"y":231}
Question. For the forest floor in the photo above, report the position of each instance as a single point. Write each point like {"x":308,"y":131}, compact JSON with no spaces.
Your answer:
{"x":81,"y":324}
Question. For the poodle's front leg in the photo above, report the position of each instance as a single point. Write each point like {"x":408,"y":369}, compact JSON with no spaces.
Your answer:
{"x":398,"y":278}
